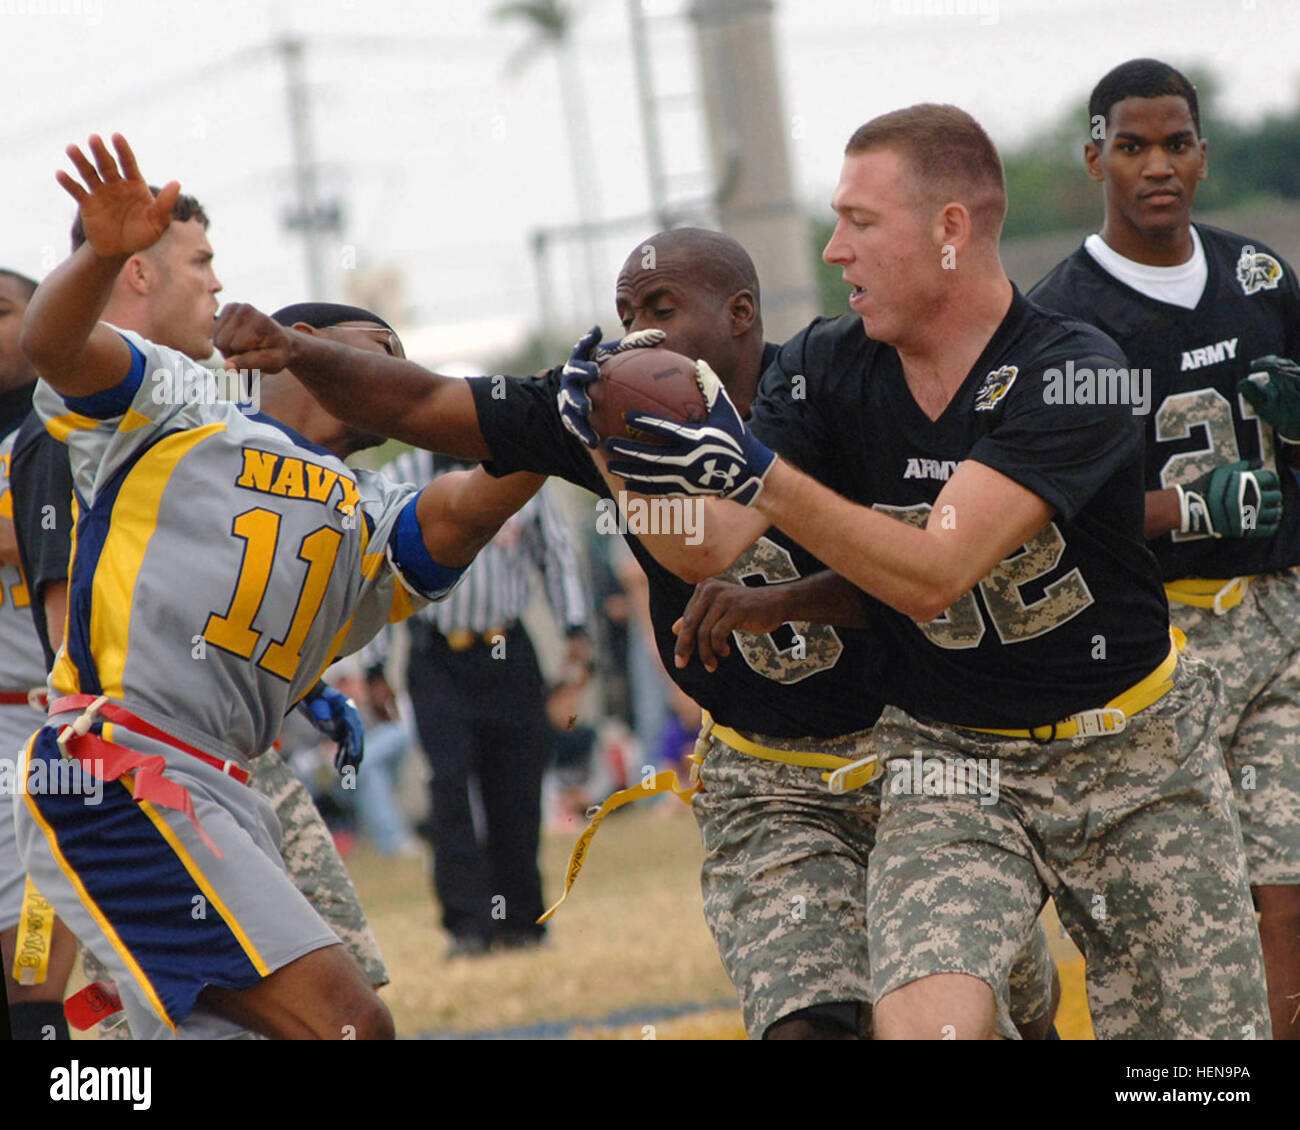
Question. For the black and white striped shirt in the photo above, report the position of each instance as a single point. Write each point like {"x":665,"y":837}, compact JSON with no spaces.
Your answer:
{"x":498,"y":584}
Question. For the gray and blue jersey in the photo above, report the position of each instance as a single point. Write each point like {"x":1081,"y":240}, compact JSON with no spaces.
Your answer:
{"x":220,"y":561}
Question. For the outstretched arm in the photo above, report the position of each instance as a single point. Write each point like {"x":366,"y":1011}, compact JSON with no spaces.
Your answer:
{"x":62,"y":335}
{"x":979,"y":517}
{"x":461,"y":511}
{"x":372,"y":391}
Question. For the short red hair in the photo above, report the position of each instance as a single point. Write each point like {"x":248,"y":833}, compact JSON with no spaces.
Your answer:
{"x":949,"y":156}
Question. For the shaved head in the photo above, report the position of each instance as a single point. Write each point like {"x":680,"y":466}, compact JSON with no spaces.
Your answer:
{"x":701,"y":288}
{"x":718,"y":264}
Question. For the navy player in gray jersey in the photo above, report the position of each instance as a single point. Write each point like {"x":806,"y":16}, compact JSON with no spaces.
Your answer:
{"x":1029,"y":630}
{"x":223,"y":558}
{"x":1197,"y":310}
{"x":167,"y":294}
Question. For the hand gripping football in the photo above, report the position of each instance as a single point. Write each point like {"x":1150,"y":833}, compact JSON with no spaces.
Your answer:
{"x":655,"y":381}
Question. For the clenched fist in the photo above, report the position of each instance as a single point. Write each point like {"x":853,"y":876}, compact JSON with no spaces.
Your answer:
{"x":248,"y":339}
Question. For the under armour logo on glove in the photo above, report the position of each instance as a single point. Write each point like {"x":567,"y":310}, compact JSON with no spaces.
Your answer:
{"x":711,"y":468}
{"x":720,"y":457}
{"x":583,"y":367}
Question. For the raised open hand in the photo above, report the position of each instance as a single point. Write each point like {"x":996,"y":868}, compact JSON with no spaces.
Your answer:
{"x":119,"y":213}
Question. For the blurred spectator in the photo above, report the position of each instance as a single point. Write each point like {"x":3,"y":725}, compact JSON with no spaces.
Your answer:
{"x":388,"y":740}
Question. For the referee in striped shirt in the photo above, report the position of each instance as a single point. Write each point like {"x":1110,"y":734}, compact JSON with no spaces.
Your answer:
{"x":479,"y":704}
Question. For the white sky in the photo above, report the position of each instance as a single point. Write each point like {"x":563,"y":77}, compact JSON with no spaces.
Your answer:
{"x":446,"y":166}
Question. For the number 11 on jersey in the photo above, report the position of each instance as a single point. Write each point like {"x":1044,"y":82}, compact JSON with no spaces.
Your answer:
{"x":233,"y":631}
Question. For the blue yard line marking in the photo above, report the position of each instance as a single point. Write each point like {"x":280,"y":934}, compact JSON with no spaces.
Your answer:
{"x":560,"y":1029}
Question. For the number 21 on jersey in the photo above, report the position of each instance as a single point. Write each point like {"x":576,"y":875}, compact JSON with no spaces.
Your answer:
{"x":1179,"y":413}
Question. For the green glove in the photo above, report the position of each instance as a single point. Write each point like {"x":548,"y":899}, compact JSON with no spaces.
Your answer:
{"x":1232,"y":501}
{"x":1273,"y":390}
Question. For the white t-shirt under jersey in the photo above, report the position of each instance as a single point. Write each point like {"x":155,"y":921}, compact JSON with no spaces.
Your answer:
{"x":1179,"y":286}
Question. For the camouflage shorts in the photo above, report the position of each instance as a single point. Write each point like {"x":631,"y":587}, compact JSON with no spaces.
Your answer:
{"x":1256,"y":647}
{"x":1134,"y":835}
{"x":313,"y":864}
{"x":784,"y":880}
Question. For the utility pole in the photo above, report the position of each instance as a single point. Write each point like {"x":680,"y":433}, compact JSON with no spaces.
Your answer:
{"x":311,"y":215}
{"x":748,"y":131}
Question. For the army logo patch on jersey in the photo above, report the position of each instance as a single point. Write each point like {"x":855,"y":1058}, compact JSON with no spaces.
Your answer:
{"x":996,"y":385}
{"x":1257,"y":271}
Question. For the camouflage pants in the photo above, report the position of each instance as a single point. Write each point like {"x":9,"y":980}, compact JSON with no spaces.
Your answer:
{"x":313,"y":864}
{"x":1256,"y":647}
{"x":1135,"y":836}
{"x":784,"y":880}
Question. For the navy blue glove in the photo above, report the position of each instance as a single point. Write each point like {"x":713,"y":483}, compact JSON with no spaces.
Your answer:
{"x":720,"y":457}
{"x":336,"y":716}
{"x":583,"y":367}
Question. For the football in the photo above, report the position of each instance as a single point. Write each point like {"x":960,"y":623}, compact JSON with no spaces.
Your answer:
{"x":656,"y":381}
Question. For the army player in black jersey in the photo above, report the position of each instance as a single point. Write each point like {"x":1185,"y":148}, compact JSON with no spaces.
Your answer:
{"x":1001,"y":537}
{"x":800,"y":690}
{"x":1193,"y":307}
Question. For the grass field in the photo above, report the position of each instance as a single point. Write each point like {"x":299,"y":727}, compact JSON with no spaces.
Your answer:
{"x":629,"y":956}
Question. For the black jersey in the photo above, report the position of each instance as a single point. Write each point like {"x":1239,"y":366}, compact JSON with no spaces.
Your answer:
{"x":802,"y":680}
{"x":40,"y":478}
{"x":1195,"y":359}
{"x":1065,"y":623}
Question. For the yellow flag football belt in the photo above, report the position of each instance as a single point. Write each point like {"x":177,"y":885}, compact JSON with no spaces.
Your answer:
{"x":652,"y":786}
{"x":1203,"y":593}
{"x":844,"y":776}
{"x":1114,"y":716}
{"x":35,"y":928}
